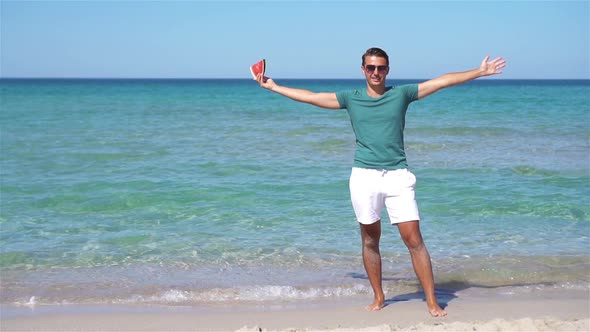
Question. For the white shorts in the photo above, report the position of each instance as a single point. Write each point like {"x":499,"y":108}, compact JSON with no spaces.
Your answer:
{"x":372,"y":189}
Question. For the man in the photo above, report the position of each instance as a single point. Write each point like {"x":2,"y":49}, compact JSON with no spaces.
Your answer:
{"x":380,"y":177}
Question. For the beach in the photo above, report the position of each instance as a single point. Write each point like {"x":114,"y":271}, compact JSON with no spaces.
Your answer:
{"x":546,"y":311}
{"x":156,"y":204}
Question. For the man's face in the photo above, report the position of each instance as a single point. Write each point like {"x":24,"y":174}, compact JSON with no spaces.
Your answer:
{"x":375,"y":70}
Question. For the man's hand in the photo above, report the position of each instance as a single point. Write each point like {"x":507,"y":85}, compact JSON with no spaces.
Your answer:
{"x":492,"y":67}
{"x":265,"y":82}
{"x":486,"y":68}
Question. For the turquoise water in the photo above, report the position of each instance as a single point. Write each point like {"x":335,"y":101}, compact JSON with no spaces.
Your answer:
{"x":215,"y":191}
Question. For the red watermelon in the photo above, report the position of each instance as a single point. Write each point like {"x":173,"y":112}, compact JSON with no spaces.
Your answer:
{"x":258,"y":68}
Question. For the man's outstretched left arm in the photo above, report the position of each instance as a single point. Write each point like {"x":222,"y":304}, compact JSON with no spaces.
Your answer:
{"x":486,"y":68}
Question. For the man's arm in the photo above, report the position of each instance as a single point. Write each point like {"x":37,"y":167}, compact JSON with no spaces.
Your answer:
{"x":485,"y":69}
{"x":319,"y":99}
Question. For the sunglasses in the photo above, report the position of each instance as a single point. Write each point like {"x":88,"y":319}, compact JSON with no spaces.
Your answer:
{"x":371,"y":68}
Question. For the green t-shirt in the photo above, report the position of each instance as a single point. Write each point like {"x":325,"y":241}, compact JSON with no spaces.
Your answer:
{"x":378,"y":124}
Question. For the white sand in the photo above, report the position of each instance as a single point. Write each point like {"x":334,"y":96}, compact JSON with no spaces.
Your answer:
{"x":570,"y":312}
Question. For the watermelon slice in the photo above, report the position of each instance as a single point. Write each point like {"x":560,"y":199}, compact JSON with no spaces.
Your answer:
{"x":258,"y":68}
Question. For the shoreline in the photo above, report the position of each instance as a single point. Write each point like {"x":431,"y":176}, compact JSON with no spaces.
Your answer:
{"x":260,"y":284}
{"x":563,"y":310}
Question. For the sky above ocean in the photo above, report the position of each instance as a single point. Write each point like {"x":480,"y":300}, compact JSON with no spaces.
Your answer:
{"x":305,"y":39}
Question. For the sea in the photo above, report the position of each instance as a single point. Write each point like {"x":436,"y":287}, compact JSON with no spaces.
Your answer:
{"x":216,"y":192}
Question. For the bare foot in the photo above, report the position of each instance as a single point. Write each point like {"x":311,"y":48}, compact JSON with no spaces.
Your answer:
{"x":436,"y":310}
{"x":376,"y":305}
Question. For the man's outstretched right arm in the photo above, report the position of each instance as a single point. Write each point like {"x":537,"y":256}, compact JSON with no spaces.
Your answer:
{"x":319,"y":99}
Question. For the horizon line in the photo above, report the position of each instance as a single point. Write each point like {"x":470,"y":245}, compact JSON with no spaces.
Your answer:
{"x":242,"y":78}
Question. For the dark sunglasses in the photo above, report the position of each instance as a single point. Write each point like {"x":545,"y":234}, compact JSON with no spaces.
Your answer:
{"x":371,"y":68}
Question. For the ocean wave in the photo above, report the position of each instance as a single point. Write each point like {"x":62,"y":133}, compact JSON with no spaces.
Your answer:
{"x":179,"y":296}
{"x":395,"y":290}
{"x":267,"y":293}
{"x":176,"y":284}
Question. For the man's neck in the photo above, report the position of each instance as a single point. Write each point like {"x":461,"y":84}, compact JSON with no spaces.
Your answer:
{"x":376,"y":91}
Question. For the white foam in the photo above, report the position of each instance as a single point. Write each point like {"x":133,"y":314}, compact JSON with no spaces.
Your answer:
{"x":247,"y":294}
{"x":175,"y":296}
{"x":32,"y":302}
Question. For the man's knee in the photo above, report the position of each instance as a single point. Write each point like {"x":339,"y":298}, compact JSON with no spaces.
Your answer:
{"x":413,"y":240}
{"x":414,"y":244}
{"x":371,"y":243}
{"x":371,"y":234}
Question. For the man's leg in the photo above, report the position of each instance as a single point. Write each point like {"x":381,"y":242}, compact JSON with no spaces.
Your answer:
{"x":410,"y":233}
{"x":372,"y":259}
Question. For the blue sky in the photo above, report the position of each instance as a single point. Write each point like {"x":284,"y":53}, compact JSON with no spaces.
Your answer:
{"x":299,"y":39}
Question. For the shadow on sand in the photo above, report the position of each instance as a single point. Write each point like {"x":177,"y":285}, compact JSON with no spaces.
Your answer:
{"x":445,"y":292}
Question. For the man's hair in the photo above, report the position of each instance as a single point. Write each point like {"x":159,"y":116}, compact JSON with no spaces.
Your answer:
{"x":375,"y":51}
